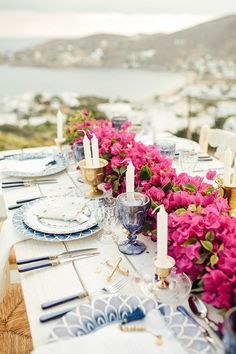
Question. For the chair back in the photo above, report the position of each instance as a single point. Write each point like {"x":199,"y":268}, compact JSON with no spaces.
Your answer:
{"x":217,"y":138}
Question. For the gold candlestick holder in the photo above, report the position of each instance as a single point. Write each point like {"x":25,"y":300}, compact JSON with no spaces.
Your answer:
{"x":93,"y":176}
{"x":162,"y":272}
{"x":59,"y":144}
{"x":163,"y":282}
{"x":230,"y":194}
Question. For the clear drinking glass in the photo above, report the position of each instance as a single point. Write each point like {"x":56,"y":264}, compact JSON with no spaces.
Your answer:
{"x":68,"y":155}
{"x":188,"y":160}
{"x":132,"y":212}
{"x":105,"y":211}
{"x":78,"y":149}
{"x":166,"y":147}
{"x":230,"y":332}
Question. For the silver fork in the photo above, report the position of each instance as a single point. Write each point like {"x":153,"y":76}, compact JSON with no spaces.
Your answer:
{"x":109,"y":289}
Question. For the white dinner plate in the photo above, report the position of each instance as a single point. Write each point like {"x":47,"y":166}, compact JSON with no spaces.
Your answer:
{"x":54,"y":226}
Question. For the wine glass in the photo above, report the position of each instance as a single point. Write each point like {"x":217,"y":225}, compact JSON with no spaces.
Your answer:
{"x":78,"y":150}
{"x":132,"y":212}
{"x":105,"y":211}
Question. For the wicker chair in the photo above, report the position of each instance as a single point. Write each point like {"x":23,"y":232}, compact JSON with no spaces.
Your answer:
{"x":15,"y":337}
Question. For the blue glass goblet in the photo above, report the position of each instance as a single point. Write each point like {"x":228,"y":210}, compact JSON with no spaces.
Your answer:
{"x":230,"y":331}
{"x":132,"y":212}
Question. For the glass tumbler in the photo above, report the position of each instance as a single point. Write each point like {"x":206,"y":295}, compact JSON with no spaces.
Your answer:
{"x":166,"y":147}
{"x":118,"y":121}
{"x":188,"y":160}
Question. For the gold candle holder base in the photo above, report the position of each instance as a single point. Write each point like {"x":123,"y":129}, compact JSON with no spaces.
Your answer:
{"x":230,"y":194}
{"x":59,"y":144}
{"x":163,"y":272}
{"x":93,"y":176}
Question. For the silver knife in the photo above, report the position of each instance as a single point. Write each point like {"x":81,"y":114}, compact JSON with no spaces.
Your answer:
{"x":27,"y":184}
{"x":55,"y":262}
{"x":32,"y":180}
{"x":66,"y":254}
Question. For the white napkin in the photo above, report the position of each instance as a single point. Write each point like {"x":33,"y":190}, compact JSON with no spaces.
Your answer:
{"x":61,"y":208}
{"x":111,"y":340}
{"x":31,"y":166}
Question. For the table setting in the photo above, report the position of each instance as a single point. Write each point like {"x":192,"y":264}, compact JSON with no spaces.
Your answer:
{"x":134,"y":248}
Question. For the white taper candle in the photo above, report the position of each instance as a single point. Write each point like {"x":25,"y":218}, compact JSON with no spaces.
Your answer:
{"x":227,"y":166}
{"x":129,"y":178}
{"x":87,"y":152}
{"x":60,"y":119}
{"x":95,"y":151}
{"x":234,"y":174}
{"x":162,"y":237}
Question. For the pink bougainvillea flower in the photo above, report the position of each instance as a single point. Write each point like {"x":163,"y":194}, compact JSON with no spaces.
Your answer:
{"x":211,"y":175}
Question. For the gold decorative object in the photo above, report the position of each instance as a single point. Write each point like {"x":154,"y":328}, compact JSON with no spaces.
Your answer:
{"x":115,"y":267}
{"x":163,"y":272}
{"x":230,"y":194}
{"x":140,"y":328}
{"x":119,"y":269}
{"x":59,"y":144}
{"x":93,"y":176}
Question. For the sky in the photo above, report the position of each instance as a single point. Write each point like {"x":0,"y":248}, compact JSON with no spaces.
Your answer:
{"x":73,"y":18}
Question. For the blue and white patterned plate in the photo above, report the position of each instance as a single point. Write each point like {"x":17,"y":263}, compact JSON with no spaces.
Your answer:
{"x":60,"y":165}
{"x":98,"y":313}
{"x":20,"y":226}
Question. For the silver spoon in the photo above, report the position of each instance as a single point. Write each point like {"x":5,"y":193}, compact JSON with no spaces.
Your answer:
{"x":199,"y":309}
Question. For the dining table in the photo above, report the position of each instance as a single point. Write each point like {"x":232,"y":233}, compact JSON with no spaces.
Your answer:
{"x":88,"y":274}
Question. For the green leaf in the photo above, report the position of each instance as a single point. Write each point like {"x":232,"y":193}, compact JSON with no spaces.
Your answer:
{"x":210,"y":235}
{"x":176,"y":189}
{"x":190,"y":187}
{"x":221,"y":192}
{"x":202,"y":259}
{"x":123,"y":169}
{"x":207,"y":245}
{"x":209,"y":190}
{"x":180,"y":211}
{"x":116,"y":169}
{"x":154,"y":205}
{"x":112,"y":178}
{"x":190,"y":241}
{"x":166,"y":187}
{"x":115,"y":185}
{"x":145,"y":173}
{"x":214,"y":259}
{"x":147,"y":227}
{"x":192,"y":207}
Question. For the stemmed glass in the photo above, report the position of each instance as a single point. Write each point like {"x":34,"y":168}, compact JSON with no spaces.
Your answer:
{"x":105,"y":212}
{"x":78,"y":151}
{"x":132,"y":212}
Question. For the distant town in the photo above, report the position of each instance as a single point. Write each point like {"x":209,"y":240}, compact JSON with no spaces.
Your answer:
{"x":208,"y":97}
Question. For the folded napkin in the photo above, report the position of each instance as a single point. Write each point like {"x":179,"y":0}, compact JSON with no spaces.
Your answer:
{"x":62,"y":208}
{"x":29,"y":166}
{"x":111,"y":340}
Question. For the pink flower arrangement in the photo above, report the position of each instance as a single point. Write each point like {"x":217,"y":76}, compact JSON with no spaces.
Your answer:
{"x":202,"y":235}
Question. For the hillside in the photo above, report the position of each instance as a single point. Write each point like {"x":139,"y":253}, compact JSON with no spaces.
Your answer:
{"x":216,"y":38}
